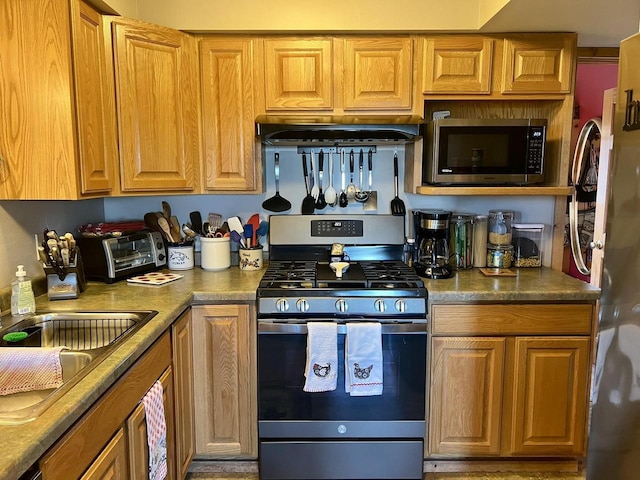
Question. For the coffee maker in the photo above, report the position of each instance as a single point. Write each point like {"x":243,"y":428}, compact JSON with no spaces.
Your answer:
{"x":431,"y":228}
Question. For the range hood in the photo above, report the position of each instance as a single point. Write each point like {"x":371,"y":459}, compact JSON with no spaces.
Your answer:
{"x":337,"y":130}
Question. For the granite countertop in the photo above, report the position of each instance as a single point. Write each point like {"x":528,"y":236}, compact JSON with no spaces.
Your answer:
{"x":529,"y":284}
{"x":22,"y":445}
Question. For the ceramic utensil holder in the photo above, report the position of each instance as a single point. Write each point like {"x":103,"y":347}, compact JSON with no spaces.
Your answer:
{"x":250,"y":258}
{"x":215,"y":253}
{"x":180,"y":256}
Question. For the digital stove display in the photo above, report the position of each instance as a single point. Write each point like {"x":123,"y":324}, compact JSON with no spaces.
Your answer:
{"x":337,"y":228}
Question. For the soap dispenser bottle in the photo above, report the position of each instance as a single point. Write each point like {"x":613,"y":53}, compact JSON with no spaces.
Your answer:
{"x":23,"y":301}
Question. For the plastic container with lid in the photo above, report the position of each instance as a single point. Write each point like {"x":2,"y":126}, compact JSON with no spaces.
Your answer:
{"x":499,"y":256}
{"x":500,"y":222}
{"x":527,"y":244}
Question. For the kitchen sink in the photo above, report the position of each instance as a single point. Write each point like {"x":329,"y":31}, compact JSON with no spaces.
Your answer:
{"x":88,"y":338}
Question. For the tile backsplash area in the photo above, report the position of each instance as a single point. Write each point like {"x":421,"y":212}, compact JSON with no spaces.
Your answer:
{"x":20,"y":220}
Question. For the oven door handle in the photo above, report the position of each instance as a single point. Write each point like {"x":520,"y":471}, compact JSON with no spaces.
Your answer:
{"x":301,"y":328}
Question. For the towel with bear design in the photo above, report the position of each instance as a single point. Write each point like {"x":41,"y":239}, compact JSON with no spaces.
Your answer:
{"x":363,"y":359}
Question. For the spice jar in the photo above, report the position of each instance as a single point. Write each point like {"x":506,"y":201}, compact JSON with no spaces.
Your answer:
{"x":499,"y":256}
{"x":500,"y":222}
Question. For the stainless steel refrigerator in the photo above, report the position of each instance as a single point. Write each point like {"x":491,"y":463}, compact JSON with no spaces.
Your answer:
{"x":614,"y":438}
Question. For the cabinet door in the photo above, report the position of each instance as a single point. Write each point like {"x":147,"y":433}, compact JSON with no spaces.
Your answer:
{"x":156,"y":87}
{"x":228,"y":115}
{"x":378,"y":73}
{"x":95,"y":97}
{"x":298,"y":74}
{"x":37,"y":136}
{"x":539,"y":65}
{"x":224,"y":360}
{"x":137,"y":434}
{"x":182,"y":340}
{"x":550,"y":396}
{"x":454,"y":65}
{"x":466,"y":395}
{"x":112,"y":461}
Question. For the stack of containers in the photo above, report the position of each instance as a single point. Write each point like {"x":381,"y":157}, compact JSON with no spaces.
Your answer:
{"x":499,"y":248}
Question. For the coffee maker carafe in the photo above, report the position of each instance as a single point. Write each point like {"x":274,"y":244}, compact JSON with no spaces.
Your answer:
{"x":432,"y":239}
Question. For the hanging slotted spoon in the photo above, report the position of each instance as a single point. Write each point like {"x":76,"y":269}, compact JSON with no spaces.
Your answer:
{"x":276,"y":203}
{"x":361,"y":193}
{"x":397,"y":205}
{"x":344,"y":201}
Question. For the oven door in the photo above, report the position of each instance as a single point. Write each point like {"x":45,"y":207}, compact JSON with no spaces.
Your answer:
{"x":285,"y":410}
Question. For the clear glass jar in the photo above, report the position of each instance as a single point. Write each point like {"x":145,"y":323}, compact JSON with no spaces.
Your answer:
{"x":500,"y":222}
{"x":499,"y":256}
{"x":409,"y":251}
{"x":480,"y":233}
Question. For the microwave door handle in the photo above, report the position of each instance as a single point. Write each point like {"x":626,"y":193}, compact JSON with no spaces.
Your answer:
{"x":301,"y":328}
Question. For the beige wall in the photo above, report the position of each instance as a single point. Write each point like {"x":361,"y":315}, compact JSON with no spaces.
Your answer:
{"x":321,"y":16}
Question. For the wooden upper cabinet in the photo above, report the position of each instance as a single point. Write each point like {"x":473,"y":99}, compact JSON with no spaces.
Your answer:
{"x":228,"y":114}
{"x":550,"y":396}
{"x":539,"y":63}
{"x":298,"y":74}
{"x":95,"y":97}
{"x":156,"y":87}
{"x":378,"y":73}
{"x":457,"y":65}
{"x":54,"y":112}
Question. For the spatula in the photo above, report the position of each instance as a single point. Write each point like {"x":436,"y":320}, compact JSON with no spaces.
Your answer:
{"x":397,"y":205}
{"x":308,"y":203}
{"x":276,"y":203}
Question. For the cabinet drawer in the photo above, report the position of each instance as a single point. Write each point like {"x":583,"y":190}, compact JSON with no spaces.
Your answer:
{"x":511,"y":319}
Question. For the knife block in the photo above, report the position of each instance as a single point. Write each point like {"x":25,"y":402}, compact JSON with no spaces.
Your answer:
{"x":71,"y":284}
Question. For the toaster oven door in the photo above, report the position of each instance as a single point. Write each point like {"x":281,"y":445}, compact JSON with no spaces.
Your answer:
{"x":135,"y":253}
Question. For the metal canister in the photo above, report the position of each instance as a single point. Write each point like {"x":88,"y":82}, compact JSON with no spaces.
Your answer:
{"x":461,"y":240}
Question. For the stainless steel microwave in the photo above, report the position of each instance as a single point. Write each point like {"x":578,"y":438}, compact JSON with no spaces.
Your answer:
{"x":484,"y":151}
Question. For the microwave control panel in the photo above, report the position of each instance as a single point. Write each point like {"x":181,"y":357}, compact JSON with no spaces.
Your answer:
{"x":535,"y":150}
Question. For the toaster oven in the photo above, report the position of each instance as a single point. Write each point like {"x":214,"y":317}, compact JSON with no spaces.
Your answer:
{"x":109,"y":259}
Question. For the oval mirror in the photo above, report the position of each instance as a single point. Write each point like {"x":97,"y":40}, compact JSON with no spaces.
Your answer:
{"x":584,"y":178}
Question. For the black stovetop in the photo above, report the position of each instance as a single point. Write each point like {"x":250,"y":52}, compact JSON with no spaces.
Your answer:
{"x":373,"y":274}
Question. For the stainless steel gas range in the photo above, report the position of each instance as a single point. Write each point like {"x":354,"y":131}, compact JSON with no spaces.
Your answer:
{"x":331,"y":434}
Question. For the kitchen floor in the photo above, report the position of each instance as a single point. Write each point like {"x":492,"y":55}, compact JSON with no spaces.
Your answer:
{"x":247,"y":471}
{"x":428,"y":476}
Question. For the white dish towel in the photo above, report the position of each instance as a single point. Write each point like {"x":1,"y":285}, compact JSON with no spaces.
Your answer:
{"x":321,"y":370}
{"x":156,"y":432}
{"x":363,"y":359}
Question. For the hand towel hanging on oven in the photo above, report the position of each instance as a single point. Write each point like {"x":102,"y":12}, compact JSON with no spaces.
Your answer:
{"x":363,"y":359}
{"x":322,"y":357}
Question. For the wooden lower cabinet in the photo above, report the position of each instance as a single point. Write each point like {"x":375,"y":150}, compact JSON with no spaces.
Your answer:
{"x":510,"y":395}
{"x":225,"y":390}
{"x":182,"y":339}
{"x":112,"y":461}
{"x":110,"y":440}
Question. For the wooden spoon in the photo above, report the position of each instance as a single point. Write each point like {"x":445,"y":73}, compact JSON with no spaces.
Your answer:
{"x":164,"y":226}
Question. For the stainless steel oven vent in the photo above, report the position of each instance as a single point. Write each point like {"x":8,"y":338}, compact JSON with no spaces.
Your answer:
{"x":337,"y":130}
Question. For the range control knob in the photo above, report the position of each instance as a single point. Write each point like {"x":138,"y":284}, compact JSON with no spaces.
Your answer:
{"x":342,"y":306}
{"x":282,"y":305}
{"x":380,"y":306}
{"x":302,"y":305}
{"x":401,"y":306}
